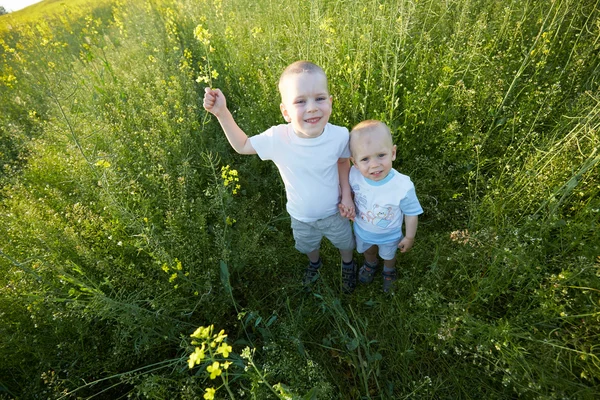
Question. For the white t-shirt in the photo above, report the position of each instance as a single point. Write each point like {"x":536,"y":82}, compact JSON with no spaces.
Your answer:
{"x":308,"y":167}
{"x":381,"y":206}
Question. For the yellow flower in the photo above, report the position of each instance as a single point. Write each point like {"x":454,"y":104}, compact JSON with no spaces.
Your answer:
{"x":102,"y":163}
{"x":219,"y":338}
{"x":209,"y":394}
{"x":214,"y":74}
{"x":214,"y":370}
{"x":196,"y":357}
{"x":225,"y":349}
{"x":173,"y":277}
{"x":202,"y":35}
{"x":226,"y":365}
{"x":202,"y":332}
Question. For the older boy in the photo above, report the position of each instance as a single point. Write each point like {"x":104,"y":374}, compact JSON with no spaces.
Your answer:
{"x":384,"y":198}
{"x":312,"y":158}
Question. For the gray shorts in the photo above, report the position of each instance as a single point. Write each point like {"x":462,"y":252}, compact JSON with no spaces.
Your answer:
{"x":336,"y":228}
{"x":387,"y":251}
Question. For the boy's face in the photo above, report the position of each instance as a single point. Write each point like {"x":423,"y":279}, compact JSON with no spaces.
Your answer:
{"x":306,"y":103}
{"x":373,"y":153}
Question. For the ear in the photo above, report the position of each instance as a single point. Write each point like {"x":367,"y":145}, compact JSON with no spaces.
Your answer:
{"x":284,"y":112}
{"x":352,"y":160}
{"x":394,"y":153}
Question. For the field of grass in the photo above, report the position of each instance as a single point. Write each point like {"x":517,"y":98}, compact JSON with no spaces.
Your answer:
{"x":127,"y":223}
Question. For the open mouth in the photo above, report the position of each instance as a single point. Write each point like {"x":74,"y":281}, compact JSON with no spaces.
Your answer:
{"x":312,"y":120}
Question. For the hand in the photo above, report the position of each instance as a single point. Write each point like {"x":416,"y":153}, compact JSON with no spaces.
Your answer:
{"x":214,"y":101}
{"x":405,"y":244}
{"x":347,"y":211}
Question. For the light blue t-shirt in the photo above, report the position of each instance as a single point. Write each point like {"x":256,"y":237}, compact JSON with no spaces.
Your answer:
{"x":381,"y":206}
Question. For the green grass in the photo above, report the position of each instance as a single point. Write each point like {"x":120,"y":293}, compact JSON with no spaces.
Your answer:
{"x":120,"y":237}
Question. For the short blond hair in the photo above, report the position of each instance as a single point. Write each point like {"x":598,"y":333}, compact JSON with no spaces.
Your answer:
{"x":299,"y":67}
{"x":369,"y":126}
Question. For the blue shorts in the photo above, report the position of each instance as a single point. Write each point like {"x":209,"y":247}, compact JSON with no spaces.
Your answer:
{"x":336,"y":228}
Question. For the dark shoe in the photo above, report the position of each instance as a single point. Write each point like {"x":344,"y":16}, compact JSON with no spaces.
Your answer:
{"x":388,"y":280}
{"x":366,"y":273}
{"x":311,"y":274}
{"x":349,"y":278}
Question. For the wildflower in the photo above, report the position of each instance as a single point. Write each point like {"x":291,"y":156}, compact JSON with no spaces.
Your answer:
{"x":102,"y":163}
{"x":173,"y":277}
{"x":225,"y":349}
{"x":214,"y":370}
{"x":246,"y":353}
{"x":202,"y":332}
{"x":196,"y":357}
{"x":214,"y":74}
{"x":222,"y":335}
{"x":230,"y":221}
{"x":226,"y":364}
{"x":202,"y":35}
{"x":209,"y":394}
{"x":256,"y":31}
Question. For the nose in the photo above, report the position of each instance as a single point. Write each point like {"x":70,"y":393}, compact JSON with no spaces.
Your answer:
{"x":311,"y":105}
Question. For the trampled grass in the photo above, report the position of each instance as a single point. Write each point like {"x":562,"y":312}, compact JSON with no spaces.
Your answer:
{"x":128,"y":222}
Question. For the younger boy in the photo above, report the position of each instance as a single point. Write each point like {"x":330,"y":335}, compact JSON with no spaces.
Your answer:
{"x":383,"y":198}
{"x":312,"y":158}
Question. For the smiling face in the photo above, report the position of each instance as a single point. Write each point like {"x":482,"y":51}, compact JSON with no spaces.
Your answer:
{"x":305,"y":102}
{"x":372,"y":150}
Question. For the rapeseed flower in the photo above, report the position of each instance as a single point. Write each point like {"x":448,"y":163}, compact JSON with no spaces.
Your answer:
{"x":225,"y":349}
{"x":202,"y":332}
{"x":197,"y":356}
{"x":214,"y":370}
{"x":209,"y":394}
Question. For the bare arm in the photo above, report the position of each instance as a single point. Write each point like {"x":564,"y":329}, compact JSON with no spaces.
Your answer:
{"x":215,"y":103}
{"x":410,"y":227}
{"x":346,"y":205}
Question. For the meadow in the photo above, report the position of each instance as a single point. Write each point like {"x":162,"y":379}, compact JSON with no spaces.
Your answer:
{"x":142,"y":258}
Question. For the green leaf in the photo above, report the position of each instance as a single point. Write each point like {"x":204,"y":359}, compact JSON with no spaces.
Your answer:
{"x":225,"y":277}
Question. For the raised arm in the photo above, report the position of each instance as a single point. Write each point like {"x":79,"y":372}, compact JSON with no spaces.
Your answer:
{"x":215,"y":103}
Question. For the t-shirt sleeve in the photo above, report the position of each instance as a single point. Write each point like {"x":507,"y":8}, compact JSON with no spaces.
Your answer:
{"x":346,"y":148}
{"x":410,"y":203}
{"x":264,"y":144}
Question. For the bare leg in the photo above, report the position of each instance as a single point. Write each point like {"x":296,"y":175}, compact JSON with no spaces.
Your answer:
{"x":391,"y":264}
{"x":313,"y":256}
{"x":347,"y":255}
{"x":371,"y":255}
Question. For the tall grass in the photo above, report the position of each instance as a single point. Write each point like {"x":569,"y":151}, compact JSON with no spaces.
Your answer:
{"x":125,"y":228}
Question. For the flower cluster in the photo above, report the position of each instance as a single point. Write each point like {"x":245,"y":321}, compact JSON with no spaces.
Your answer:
{"x":461,"y":237}
{"x":174,"y":271}
{"x":202,"y":35}
{"x":230,"y":177}
{"x":208,"y":346}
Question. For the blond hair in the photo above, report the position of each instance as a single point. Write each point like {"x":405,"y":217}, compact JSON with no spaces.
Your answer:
{"x":300,"y":67}
{"x":369,"y":126}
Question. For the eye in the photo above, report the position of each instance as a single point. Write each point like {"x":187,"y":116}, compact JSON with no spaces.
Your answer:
{"x":299,"y":102}
{"x":323,"y":98}
{"x":381,"y":155}
{"x":364,"y":159}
